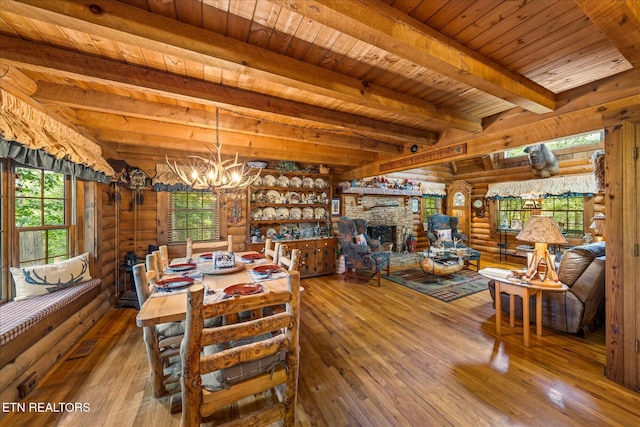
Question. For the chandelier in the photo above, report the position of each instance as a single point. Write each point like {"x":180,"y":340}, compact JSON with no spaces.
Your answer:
{"x":214,"y":173}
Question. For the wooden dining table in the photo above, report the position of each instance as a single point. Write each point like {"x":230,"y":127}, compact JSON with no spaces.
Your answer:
{"x":172,"y":307}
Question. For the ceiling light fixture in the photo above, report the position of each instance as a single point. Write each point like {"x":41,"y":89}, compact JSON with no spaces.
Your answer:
{"x":214,"y":173}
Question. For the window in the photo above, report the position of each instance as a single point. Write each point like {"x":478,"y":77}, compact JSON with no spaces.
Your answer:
{"x":193,"y":214}
{"x":42,"y":216}
{"x":556,"y":144}
{"x":429,"y":206}
{"x":568,"y":212}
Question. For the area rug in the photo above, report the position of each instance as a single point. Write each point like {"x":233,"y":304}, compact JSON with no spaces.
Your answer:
{"x":450,"y":288}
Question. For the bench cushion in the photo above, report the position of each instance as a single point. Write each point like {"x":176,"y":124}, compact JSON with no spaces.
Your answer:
{"x":17,"y":317}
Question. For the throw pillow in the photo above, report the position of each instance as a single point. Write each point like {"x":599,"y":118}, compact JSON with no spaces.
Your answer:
{"x":444,"y":235}
{"x":361,"y":240}
{"x":43,"y":279}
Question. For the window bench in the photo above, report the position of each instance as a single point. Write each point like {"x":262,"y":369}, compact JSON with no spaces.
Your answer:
{"x":32,"y":338}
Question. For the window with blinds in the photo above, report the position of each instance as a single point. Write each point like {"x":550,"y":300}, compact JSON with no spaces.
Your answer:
{"x":193,"y":214}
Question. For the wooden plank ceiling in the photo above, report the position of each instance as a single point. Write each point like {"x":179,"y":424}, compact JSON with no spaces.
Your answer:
{"x":336,"y":82}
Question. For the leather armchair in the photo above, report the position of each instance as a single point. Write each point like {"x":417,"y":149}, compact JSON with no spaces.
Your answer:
{"x":582,"y":268}
{"x":438,"y":222}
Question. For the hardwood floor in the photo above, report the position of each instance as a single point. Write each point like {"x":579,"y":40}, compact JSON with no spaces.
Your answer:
{"x":371,"y":356}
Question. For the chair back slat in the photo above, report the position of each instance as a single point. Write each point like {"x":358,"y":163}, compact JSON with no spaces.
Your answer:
{"x":272,"y":250}
{"x":141,"y":283}
{"x":289,"y":261}
{"x":164,"y":257}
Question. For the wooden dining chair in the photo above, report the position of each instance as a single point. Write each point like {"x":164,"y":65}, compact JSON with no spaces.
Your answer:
{"x":290,"y":261}
{"x":163,"y":260}
{"x":158,"y":267}
{"x":162,"y":341}
{"x":200,"y":247}
{"x":272,"y":252}
{"x":225,"y":364}
{"x":151,"y":265}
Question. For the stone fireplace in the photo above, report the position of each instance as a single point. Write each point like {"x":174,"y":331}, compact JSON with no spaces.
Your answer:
{"x":387,"y":216}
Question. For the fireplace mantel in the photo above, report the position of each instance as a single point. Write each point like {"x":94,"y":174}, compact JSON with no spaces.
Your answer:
{"x":381,"y":191}
{"x":373,"y":191}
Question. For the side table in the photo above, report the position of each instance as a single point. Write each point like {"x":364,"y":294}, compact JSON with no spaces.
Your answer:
{"x":524,"y":290}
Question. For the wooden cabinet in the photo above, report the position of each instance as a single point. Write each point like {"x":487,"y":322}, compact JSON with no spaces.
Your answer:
{"x":318,"y":256}
{"x":294,"y":208}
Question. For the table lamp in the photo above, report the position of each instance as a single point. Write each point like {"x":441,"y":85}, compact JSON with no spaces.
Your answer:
{"x":541,"y":267}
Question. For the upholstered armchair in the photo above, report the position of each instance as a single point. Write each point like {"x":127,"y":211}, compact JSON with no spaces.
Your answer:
{"x":359,"y":255}
{"x":443,"y":229}
{"x":361,"y":227}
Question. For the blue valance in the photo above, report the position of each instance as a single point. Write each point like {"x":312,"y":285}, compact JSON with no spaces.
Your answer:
{"x":40,"y":160}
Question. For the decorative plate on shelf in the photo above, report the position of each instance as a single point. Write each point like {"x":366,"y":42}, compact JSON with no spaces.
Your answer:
{"x":295,"y":213}
{"x":283,"y":181}
{"x":174,"y":283}
{"x":258,"y":181}
{"x":320,"y":183}
{"x":271,"y":233}
{"x":307,"y":183}
{"x":243,"y":289}
{"x":256,"y":214}
{"x":273,"y":196}
{"x":320,"y":213}
{"x":307,"y":213}
{"x":293,"y":197}
{"x":269,"y":181}
{"x":283,"y":213}
{"x":295,"y":182}
{"x":269,"y":213}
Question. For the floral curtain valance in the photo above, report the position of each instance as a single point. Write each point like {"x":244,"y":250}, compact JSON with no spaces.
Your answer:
{"x":433,"y":189}
{"x":540,"y":188}
{"x":26,"y":125}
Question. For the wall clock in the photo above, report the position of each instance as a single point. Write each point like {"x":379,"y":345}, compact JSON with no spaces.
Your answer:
{"x":415,"y":205}
{"x":478,"y":207}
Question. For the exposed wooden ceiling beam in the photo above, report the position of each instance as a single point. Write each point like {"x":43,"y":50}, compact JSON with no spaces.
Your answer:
{"x":620,"y":23}
{"x":176,"y":147}
{"x":198,"y":138}
{"x":391,"y":30}
{"x":66,"y":64}
{"x":84,"y":99}
{"x":108,"y":19}
{"x":581,"y":110}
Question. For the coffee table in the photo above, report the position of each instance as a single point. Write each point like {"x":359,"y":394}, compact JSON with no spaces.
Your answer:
{"x":516,"y":287}
{"x":440,"y":263}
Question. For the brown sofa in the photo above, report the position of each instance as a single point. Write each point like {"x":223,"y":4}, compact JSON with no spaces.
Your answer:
{"x":582,"y":268}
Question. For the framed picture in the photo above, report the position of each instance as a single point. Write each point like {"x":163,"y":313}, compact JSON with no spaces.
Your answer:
{"x":415,"y":205}
{"x":335,"y":207}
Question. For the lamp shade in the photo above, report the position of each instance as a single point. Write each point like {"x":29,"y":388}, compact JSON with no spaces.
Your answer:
{"x":541,"y":229}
